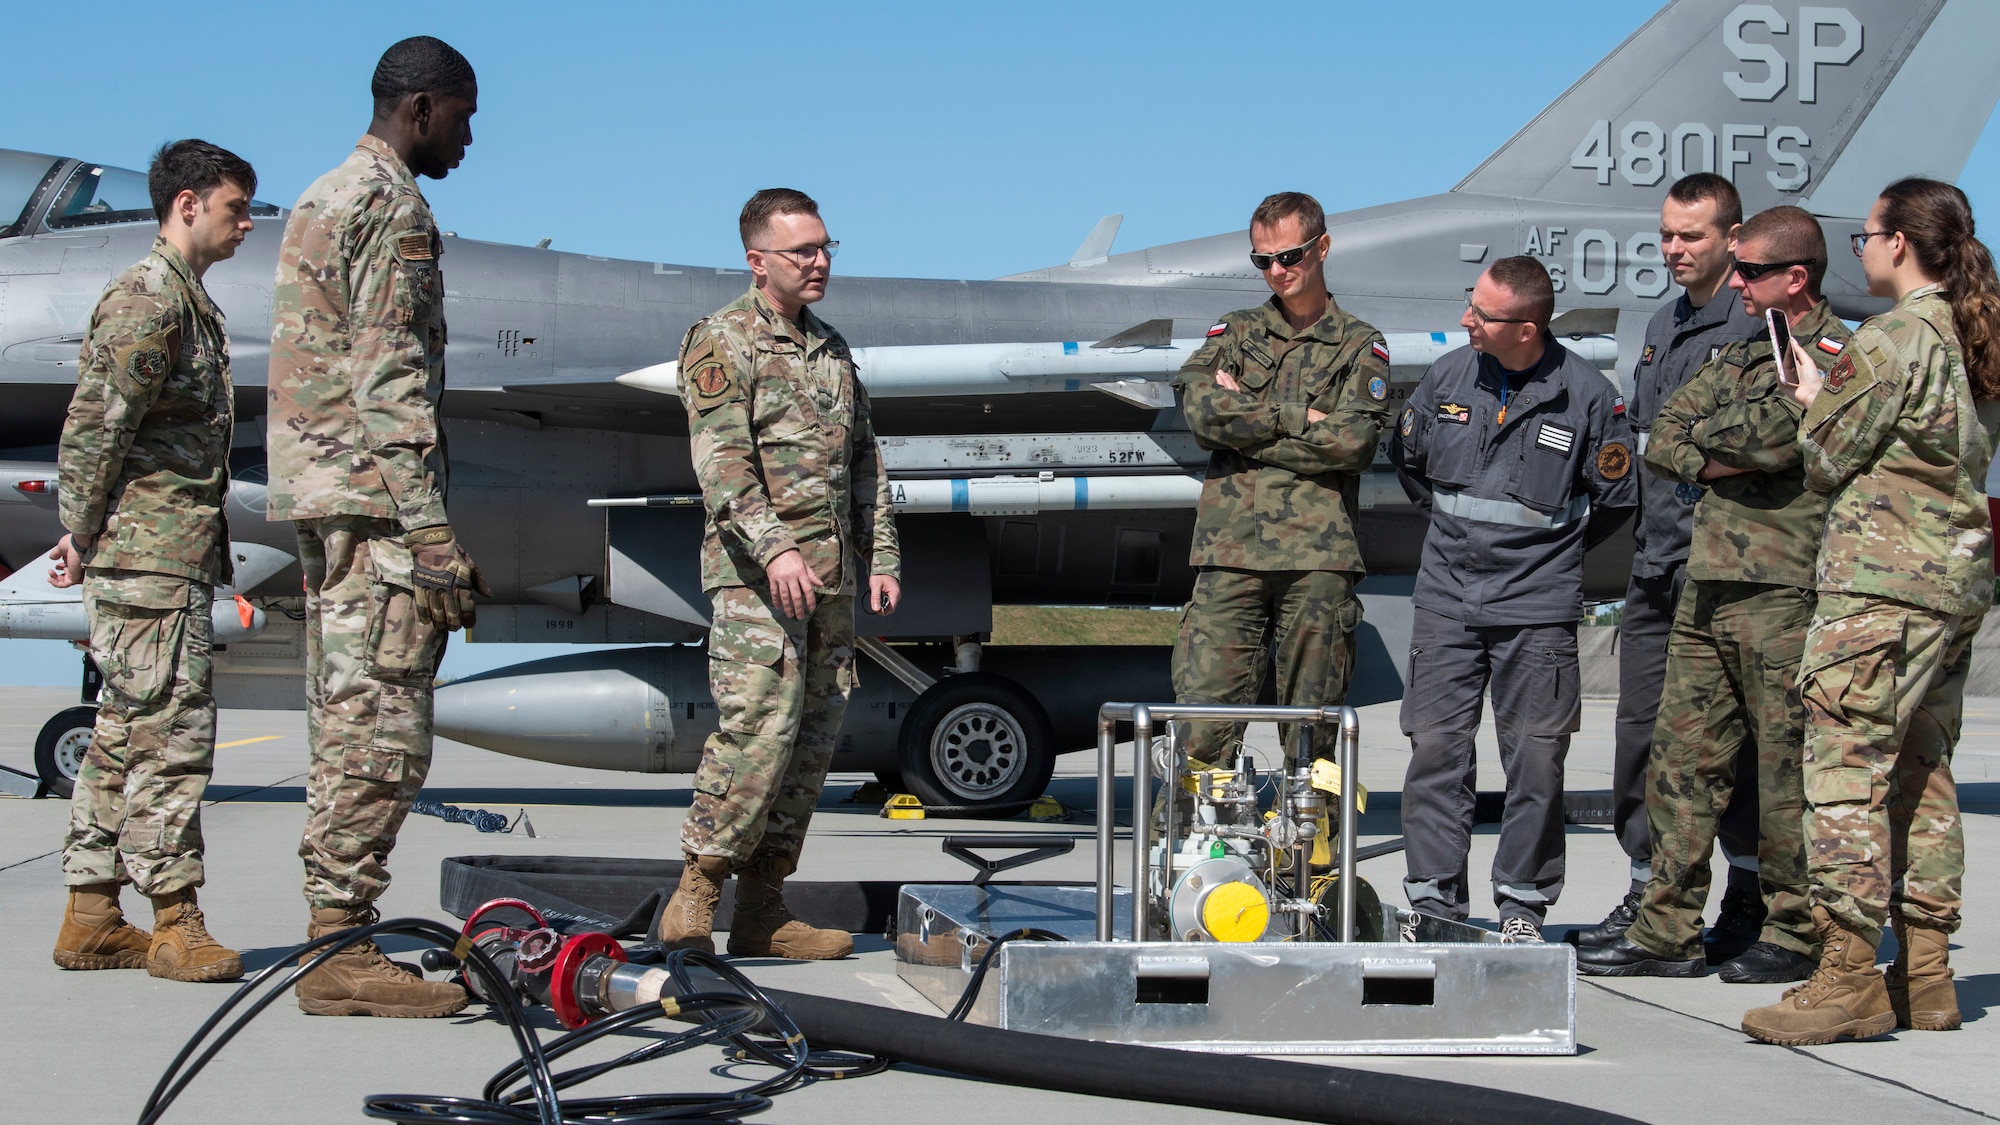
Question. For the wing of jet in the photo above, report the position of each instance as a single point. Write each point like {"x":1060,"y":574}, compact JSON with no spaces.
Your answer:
{"x":1036,"y":449}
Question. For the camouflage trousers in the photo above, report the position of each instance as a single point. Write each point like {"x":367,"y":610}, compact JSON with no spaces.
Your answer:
{"x":1732,"y":669}
{"x":1238,"y":622}
{"x":1884,"y":690}
{"x":370,"y":666}
{"x":780,"y":688}
{"x":135,"y":814}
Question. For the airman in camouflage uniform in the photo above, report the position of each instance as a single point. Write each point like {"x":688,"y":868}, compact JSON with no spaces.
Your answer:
{"x":144,"y":460}
{"x":784,"y":447}
{"x":1292,"y":414}
{"x":357,"y":462}
{"x":1734,"y":652}
{"x":1905,"y":575}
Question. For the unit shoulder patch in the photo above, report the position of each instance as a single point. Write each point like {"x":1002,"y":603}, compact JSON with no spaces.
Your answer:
{"x":1409,"y":420}
{"x":146,"y":361}
{"x":1378,"y":388}
{"x":1836,"y":379}
{"x":1614,"y":461}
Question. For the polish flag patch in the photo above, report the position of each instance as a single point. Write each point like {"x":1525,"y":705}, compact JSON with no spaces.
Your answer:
{"x":1618,"y":406}
{"x":1830,"y":346}
{"x":1381,"y":351}
{"x":1218,"y":330}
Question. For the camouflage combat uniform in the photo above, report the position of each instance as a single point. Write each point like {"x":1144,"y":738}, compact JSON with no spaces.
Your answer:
{"x":1733,"y":656}
{"x":785,"y":451}
{"x":145,"y":468}
{"x":1905,"y":575}
{"x":1274,"y":537}
{"x":356,"y":461}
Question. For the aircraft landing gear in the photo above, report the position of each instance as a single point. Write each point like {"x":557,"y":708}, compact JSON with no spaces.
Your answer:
{"x":977,"y":741}
{"x":59,"y":749}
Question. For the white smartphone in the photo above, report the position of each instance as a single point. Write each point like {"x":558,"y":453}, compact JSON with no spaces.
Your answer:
{"x":1781,"y":345}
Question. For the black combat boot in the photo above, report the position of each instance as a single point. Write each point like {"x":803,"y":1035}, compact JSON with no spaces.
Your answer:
{"x":1627,"y":958}
{"x":1737,"y":923}
{"x":1614,"y":925}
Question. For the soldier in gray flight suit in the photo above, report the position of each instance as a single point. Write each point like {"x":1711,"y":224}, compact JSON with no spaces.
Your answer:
{"x":1521,"y":453}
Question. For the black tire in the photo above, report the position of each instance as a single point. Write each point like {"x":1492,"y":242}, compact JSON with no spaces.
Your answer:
{"x":892,"y":780}
{"x":59,"y":749}
{"x":977,"y":742}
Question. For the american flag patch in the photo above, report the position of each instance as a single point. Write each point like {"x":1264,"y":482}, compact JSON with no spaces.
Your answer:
{"x":1830,"y":346}
{"x":1618,"y":406}
{"x":1381,"y":351}
{"x":1218,"y":330}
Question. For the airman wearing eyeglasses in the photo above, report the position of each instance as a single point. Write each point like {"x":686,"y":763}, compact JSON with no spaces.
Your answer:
{"x":1290,"y":397}
{"x":1698,"y":225}
{"x":798,"y":524}
{"x":1732,"y":434}
{"x":1520,"y":452}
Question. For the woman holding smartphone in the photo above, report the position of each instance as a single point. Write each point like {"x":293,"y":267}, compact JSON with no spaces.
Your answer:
{"x":1899,"y":434}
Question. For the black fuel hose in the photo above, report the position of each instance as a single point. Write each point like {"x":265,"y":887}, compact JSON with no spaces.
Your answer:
{"x":1233,"y":1084}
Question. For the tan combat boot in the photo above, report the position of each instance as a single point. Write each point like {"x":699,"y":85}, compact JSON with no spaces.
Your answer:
{"x":1920,"y":986}
{"x":689,"y":918}
{"x":95,"y":934}
{"x":361,"y":981}
{"x":182,"y":949}
{"x":764,"y":928}
{"x":1845,"y":998}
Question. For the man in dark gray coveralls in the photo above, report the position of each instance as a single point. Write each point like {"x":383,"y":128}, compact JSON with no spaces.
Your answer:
{"x":1521,"y":453}
{"x":1698,"y":226}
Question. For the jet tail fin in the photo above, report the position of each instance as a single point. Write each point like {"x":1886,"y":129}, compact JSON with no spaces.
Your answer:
{"x":1815,"y":105}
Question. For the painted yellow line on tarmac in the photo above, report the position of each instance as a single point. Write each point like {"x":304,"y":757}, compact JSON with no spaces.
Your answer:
{"x":247,"y":741}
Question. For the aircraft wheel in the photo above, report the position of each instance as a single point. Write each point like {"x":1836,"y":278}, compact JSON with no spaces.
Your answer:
{"x":59,"y":749}
{"x":977,"y":742}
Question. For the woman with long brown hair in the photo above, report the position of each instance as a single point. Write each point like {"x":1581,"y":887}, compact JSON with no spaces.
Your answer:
{"x":1899,"y":434}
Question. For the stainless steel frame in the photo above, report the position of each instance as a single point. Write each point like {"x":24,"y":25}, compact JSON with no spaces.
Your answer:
{"x":1142,"y":717}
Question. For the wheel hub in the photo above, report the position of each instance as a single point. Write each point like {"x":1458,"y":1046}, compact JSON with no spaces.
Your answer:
{"x":979,"y":749}
{"x":70,"y":750}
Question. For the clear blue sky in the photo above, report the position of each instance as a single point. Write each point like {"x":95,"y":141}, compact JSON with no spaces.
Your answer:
{"x":942,"y":140}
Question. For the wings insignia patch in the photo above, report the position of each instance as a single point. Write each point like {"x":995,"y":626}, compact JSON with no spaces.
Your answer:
{"x":1614,"y":461}
{"x":1456,"y":413}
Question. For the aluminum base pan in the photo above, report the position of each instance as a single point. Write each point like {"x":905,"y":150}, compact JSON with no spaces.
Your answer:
{"x":1468,"y":997}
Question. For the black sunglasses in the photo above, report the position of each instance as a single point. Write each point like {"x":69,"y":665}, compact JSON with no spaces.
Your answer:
{"x":1285,"y":258}
{"x":1751,"y":271}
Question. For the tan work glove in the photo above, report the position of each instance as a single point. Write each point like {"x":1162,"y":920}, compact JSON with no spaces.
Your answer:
{"x":445,"y":578}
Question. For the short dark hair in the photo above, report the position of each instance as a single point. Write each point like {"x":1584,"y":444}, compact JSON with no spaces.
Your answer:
{"x":1276,"y":208}
{"x":1790,"y":234}
{"x":195,"y":166}
{"x":1707,"y":185}
{"x":769,"y":204}
{"x":1528,"y":280}
{"x":421,"y":64}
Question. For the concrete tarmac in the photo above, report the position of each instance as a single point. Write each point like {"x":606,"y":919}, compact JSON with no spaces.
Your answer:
{"x":87,"y":1047}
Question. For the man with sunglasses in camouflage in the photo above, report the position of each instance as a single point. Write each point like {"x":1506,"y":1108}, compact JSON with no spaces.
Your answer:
{"x":1290,"y":397}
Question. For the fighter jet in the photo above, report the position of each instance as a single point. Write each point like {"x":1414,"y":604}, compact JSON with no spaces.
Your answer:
{"x":1035,"y":447}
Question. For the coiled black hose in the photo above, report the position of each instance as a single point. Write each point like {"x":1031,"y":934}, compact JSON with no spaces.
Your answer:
{"x":1295,"y":1091}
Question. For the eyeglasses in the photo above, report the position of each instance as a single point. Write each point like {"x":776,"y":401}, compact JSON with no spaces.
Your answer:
{"x":1751,"y":271}
{"x":807,"y":255}
{"x":1480,"y":315}
{"x":1860,"y":240}
{"x":1285,"y":258}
